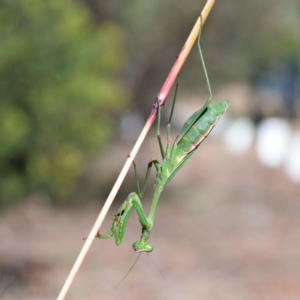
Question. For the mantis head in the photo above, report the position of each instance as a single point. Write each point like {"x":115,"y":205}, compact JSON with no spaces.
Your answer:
{"x":141,"y":246}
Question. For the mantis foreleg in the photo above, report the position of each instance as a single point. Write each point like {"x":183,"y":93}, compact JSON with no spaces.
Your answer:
{"x":121,"y":218}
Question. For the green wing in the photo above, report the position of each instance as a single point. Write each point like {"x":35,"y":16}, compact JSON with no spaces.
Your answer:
{"x":188,"y":141}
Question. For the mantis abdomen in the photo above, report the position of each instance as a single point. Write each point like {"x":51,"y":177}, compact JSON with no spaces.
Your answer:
{"x":189,"y":140}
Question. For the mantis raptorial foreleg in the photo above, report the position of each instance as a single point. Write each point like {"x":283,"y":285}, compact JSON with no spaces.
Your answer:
{"x":133,"y":201}
{"x":121,"y":218}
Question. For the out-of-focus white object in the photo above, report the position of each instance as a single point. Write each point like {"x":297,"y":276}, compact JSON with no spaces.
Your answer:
{"x":239,"y":135}
{"x":292,"y":162}
{"x":273,"y":137}
{"x":221,"y":127}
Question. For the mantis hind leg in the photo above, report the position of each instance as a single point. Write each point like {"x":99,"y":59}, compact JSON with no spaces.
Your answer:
{"x":200,"y":111}
{"x":203,"y":66}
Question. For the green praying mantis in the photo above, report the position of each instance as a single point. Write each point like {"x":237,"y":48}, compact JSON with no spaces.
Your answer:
{"x":191,"y":135}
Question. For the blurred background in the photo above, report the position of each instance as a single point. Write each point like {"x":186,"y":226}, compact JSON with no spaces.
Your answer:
{"x":77,"y":83}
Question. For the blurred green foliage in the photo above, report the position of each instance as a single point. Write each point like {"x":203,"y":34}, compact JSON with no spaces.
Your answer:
{"x":58,"y":92}
{"x":237,"y":36}
{"x":238,"y":39}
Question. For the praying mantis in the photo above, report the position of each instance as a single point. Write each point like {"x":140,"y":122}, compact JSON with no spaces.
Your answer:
{"x":191,"y":135}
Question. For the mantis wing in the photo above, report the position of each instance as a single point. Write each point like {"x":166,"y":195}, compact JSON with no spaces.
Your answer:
{"x":188,"y":140}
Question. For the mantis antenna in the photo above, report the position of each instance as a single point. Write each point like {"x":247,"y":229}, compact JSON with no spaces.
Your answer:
{"x":134,"y":265}
{"x":128,"y":271}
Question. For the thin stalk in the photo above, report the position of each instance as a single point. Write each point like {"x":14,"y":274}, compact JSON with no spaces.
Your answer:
{"x":160,"y":100}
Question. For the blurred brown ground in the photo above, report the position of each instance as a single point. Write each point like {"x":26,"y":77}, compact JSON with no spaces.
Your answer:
{"x":226,"y":228}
